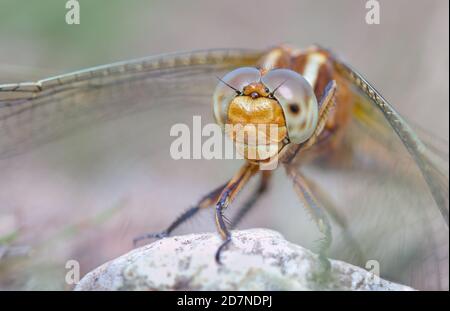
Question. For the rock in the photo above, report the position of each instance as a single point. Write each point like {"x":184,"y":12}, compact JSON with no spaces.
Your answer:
{"x":257,"y":259}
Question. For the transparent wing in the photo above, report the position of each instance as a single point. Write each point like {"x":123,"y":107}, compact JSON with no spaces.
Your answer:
{"x":433,"y":165}
{"x":86,"y":166}
{"x":34,"y":112}
{"x":388,"y":190}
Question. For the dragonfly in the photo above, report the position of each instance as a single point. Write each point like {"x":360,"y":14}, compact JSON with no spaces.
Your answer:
{"x":392,"y":187}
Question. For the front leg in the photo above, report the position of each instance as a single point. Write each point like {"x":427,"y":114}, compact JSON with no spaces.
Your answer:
{"x":326,"y":103}
{"x":206,"y":201}
{"x":228,"y":194}
{"x":250,"y":203}
{"x":301,"y":187}
{"x":309,"y":201}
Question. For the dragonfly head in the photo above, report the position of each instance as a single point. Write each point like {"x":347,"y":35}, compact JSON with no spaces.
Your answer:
{"x":263,"y":111}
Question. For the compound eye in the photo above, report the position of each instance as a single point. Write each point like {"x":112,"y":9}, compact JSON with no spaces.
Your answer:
{"x":298,"y":101}
{"x":233,"y":82}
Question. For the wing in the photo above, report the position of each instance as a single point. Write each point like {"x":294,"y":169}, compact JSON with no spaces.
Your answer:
{"x":85,"y":159}
{"x":33,"y":113}
{"x":382,"y":185}
{"x":432,"y":163}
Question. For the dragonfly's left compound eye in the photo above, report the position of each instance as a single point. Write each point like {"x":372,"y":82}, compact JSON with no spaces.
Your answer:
{"x":232,"y":83}
{"x":298,"y":101}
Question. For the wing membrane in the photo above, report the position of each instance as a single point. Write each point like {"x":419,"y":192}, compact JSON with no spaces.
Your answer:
{"x":386,"y":182}
{"x":85,"y":159}
{"x":433,"y":166}
{"x":35,"y":112}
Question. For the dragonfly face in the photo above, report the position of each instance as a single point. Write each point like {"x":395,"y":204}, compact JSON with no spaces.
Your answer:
{"x":265,"y":110}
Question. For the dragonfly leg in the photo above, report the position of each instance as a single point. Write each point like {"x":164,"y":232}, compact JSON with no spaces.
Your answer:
{"x":320,"y":218}
{"x":262,"y":188}
{"x":335,"y":215}
{"x":227,"y":195}
{"x":206,"y":201}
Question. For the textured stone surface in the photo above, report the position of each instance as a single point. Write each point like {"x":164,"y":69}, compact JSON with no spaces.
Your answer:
{"x":258,"y":259}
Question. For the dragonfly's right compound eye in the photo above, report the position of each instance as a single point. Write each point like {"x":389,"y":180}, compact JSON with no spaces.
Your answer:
{"x":231,"y":85}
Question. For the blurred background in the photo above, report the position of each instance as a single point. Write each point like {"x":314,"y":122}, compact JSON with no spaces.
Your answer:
{"x":85,"y":200}
{"x":406,"y":54}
